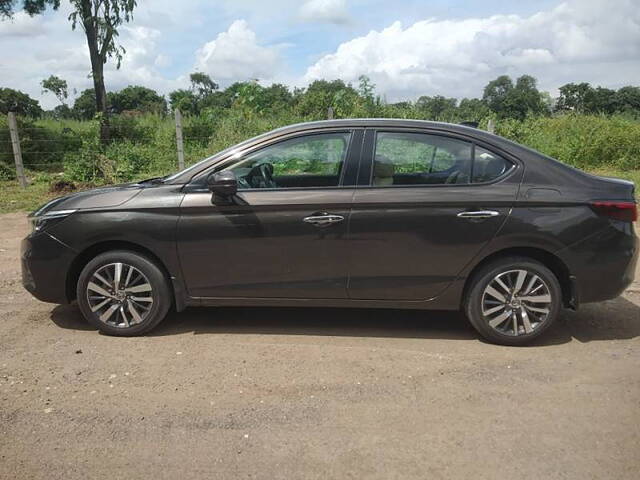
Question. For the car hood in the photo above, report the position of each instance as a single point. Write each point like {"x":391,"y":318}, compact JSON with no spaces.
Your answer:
{"x":103,"y":197}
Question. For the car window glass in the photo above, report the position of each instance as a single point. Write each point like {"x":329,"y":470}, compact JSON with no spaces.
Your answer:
{"x":403,"y":158}
{"x":309,"y":161}
{"x":488,"y":166}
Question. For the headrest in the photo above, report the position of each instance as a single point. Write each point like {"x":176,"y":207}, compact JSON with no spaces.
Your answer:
{"x":383,"y":167}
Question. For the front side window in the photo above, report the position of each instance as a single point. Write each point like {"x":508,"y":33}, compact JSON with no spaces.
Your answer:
{"x":403,"y":158}
{"x":301,"y":162}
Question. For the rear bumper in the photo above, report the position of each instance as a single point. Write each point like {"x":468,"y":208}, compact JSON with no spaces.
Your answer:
{"x":604,"y":263}
{"x":45,"y":262}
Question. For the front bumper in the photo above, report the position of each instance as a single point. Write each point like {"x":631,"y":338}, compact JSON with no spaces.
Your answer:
{"x":45,"y":263}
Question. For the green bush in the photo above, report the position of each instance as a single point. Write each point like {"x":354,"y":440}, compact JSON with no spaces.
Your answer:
{"x":583,"y":141}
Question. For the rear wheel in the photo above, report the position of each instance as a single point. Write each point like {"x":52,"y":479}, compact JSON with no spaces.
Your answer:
{"x":513,"y":300}
{"x":123,"y":293}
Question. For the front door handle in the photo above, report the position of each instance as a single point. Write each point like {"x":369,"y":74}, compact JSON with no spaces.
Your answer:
{"x":323,"y":219}
{"x":478,"y":214}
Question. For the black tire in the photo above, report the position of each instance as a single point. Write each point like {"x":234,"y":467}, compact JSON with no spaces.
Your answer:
{"x":476,"y":295}
{"x":160,"y":294}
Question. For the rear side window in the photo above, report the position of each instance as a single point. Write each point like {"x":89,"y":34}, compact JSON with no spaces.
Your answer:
{"x":403,"y":158}
{"x":407,"y":158}
{"x":488,"y":166}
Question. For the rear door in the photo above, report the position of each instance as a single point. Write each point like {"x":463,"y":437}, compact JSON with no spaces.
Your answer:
{"x":285,"y":236}
{"x":425,"y":205}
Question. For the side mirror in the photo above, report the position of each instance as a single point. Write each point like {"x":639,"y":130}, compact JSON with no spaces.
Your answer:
{"x":223,"y":185}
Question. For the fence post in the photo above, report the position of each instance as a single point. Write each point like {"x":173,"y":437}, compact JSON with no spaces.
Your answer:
{"x":179,"y":142}
{"x":17,"y":153}
{"x":330,"y":113}
{"x":491,"y":126}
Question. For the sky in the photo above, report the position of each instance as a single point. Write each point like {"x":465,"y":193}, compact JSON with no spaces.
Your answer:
{"x":408,"y":48}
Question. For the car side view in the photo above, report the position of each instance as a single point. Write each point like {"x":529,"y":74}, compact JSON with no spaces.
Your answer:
{"x":348,"y":213}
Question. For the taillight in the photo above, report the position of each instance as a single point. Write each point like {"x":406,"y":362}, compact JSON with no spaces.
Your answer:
{"x":625,"y":211}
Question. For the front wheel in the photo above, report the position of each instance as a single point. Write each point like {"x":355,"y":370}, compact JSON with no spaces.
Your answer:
{"x":513,"y":300}
{"x":123,"y":293}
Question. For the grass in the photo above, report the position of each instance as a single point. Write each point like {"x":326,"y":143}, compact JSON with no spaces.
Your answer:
{"x":632,"y":175}
{"x":14,"y":198}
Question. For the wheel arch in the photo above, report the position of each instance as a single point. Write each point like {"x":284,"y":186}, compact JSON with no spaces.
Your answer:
{"x":96,"y":249}
{"x":548,"y":259}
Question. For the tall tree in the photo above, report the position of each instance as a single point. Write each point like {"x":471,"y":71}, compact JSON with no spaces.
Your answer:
{"x":57,"y":86}
{"x":100,"y":20}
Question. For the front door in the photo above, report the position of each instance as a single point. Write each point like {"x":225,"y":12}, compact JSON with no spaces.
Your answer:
{"x":425,"y":206}
{"x":285,"y":236}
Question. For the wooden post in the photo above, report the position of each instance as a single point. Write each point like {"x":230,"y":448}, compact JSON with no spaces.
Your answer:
{"x":17,"y":153}
{"x":179,"y":139}
{"x":491,"y":126}
{"x":330,"y":113}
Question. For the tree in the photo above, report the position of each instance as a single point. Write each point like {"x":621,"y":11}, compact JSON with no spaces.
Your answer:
{"x":495,"y":93}
{"x":185,"y":101}
{"x":574,"y":97}
{"x":277,"y":97}
{"x":322,"y":94}
{"x":602,"y":100}
{"x":19,"y":102}
{"x":100,"y":20}
{"x":60,"y":112}
{"x":524,"y":99}
{"x":57,"y":86}
{"x":84,"y":108}
{"x":514,"y":101}
{"x":627,"y":99}
{"x":135,"y":97}
{"x":202,"y":85}
{"x":32,"y":7}
{"x":472,"y":110}
{"x":437,"y":107}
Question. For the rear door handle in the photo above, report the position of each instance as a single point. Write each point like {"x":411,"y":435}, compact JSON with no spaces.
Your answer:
{"x":323,"y":219}
{"x":478,"y":214}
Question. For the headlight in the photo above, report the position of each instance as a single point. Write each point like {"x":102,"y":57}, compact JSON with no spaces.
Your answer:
{"x":39,"y":223}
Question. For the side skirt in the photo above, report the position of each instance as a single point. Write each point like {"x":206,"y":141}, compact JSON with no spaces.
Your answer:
{"x":432,"y":304}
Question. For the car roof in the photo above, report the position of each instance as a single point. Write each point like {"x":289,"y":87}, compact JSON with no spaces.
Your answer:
{"x":376,"y":122}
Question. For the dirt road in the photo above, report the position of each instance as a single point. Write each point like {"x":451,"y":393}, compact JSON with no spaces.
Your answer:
{"x":291,"y":393}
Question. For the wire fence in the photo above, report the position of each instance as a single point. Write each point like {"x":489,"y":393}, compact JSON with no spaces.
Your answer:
{"x":58,"y":146}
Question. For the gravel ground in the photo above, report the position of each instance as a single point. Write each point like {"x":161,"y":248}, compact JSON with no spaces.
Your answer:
{"x":292,"y":393}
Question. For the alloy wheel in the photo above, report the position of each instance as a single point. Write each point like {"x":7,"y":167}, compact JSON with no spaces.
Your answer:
{"x":516,"y":302}
{"x":120,"y":295}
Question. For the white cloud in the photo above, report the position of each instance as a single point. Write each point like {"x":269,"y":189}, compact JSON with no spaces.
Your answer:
{"x":235,"y":55}
{"x":51,"y":47}
{"x":21,"y":25}
{"x":325,"y":11}
{"x":457,"y":57}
